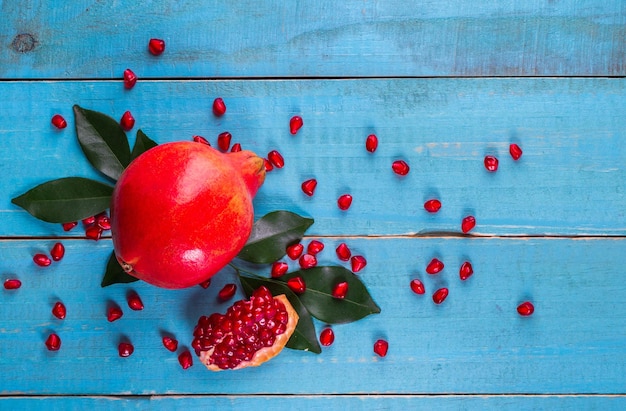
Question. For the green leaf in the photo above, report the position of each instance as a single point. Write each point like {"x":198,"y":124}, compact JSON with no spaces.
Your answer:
{"x":319,"y":301}
{"x":115,"y":274}
{"x":304,"y":337}
{"x":103,"y":141}
{"x":271,"y":235}
{"x":143,"y":143}
{"x":66,"y":199}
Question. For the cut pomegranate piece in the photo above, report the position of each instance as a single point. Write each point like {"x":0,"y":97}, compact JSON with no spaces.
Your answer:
{"x":515,"y":151}
{"x":400,"y":167}
{"x":327,"y":337}
{"x":468,"y":224}
{"x":205,"y":284}
{"x":276,"y":159}
{"x":440,"y":295}
{"x":12,"y":284}
{"x":114,"y":313}
{"x":307,"y":261}
{"x":295,"y":124}
{"x":340,"y":290}
{"x":223,"y":140}
{"x":127,"y":121}
{"x":279,"y":268}
{"x":371,"y":143}
{"x":219,"y":107}
{"x":297,"y":284}
{"x":185,"y":360}
{"x":308,"y":187}
{"x":343,"y":252}
{"x":125,"y":349}
{"x":59,"y":310}
{"x":526,"y":308}
{"x":466,"y":271}
{"x":171,"y":344}
{"x":69,"y":226}
{"x":315,"y":247}
{"x":344,"y":202}
{"x":381,"y":347}
{"x":432,"y":206}
{"x":134,"y":301}
{"x":235,"y":148}
{"x":57,"y":252}
{"x":358,"y":262}
{"x":58,"y":121}
{"x":53,"y":342}
{"x":295,"y":251}
{"x":434,"y":266}
{"x":227,"y":292}
{"x":156,"y":46}
{"x":491,"y":163}
{"x":130,"y":79}
{"x":200,"y":139}
{"x":42,"y":260}
{"x":417,"y":286}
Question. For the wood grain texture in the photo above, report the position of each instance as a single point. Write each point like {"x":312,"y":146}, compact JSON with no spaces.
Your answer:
{"x":246,"y":38}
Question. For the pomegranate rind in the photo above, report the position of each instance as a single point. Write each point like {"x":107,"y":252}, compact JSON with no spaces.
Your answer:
{"x":264,"y":354}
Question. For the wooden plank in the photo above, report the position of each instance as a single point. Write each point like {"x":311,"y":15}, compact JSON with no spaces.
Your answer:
{"x":280,"y":38}
{"x":473,"y":343}
{"x":570,"y":180}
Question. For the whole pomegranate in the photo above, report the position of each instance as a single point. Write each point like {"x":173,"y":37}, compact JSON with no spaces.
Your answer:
{"x":181,"y":211}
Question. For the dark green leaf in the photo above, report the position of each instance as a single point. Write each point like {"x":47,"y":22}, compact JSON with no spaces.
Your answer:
{"x":271,"y":235}
{"x":103,"y":141}
{"x":304,"y":337}
{"x":66,"y":199}
{"x":319,"y":301}
{"x":115,"y":274}
{"x":143,"y":143}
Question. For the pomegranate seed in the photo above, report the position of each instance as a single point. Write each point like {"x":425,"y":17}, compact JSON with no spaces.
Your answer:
{"x":104,"y":223}
{"x":268,"y":165}
{"x":42,"y":260}
{"x":57,"y":252}
{"x":53,"y":342}
{"x":127,"y":121}
{"x":219,"y":108}
{"x":205,"y":284}
{"x":468,"y":223}
{"x":114,"y":313}
{"x":297,"y":285}
{"x":344,"y":202}
{"x":227,"y":292}
{"x":358,"y":263}
{"x":276,"y":159}
{"x":515,"y":151}
{"x":130,"y":78}
{"x":307,"y":261}
{"x":526,"y":308}
{"x":432,"y":206}
{"x":400,"y":167}
{"x":308,"y":187}
{"x":93,"y":233}
{"x":156,"y":46}
{"x":59,"y":311}
{"x":185,"y":360}
{"x":125,"y":349}
{"x":58,"y":121}
{"x":223,"y":140}
{"x":491,"y":163}
{"x":69,"y":226}
{"x":340,"y":290}
{"x":295,"y":124}
{"x":434,"y":266}
{"x":200,"y":139}
{"x":89,"y":220}
{"x":371,"y":143}
{"x":170,"y":343}
{"x":440,"y":295}
{"x":381,"y":347}
{"x":466,"y":271}
{"x":279,"y":268}
{"x":417,"y":286}
{"x":12,"y":284}
{"x":235,"y":148}
{"x":327,"y":336}
{"x":295,"y":251}
{"x":343,"y":252}
{"x":134,"y":301}
{"x":315,"y":247}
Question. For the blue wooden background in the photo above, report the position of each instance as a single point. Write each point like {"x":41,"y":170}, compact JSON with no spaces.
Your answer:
{"x":442,"y":84}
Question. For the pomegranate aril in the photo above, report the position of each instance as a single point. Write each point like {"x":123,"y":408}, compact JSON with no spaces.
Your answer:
{"x":307,"y":261}
{"x":297,"y":285}
{"x":219,"y":107}
{"x":58,"y":121}
{"x":227,"y":292}
{"x":315,"y":247}
{"x":200,"y":139}
{"x":125,"y":349}
{"x":295,"y":251}
{"x":42,"y":260}
{"x":88,"y":221}
{"x":185,"y":360}
{"x":104,"y":223}
{"x":114,"y":313}
{"x":205,"y":284}
{"x":59,"y":310}
{"x":12,"y":284}
{"x":526,"y":308}
{"x":468,"y":224}
{"x":94,"y":232}
{"x":343,"y":252}
{"x":371,"y":143}
{"x":130,"y":78}
{"x":171,"y":344}
{"x":400,"y":167}
{"x":381,"y":347}
{"x":417,"y":286}
{"x":432,"y":206}
{"x":308,"y":187}
{"x":69,"y":226}
{"x":327,"y":336}
{"x":156,"y":46}
{"x":127,"y":121}
{"x":295,"y":124}
{"x":268,"y":165}
{"x":358,"y":262}
{"x":434,"y":266}
{"x":279,"y":268}
{"x":235,"y":148}
{"x":515,"y":151}
{"x":276,"y":159}
{"x":223,"y":140}
{"x":466,"y":271}
{"x":491,"y":163}
{"x":134,"y":301}
{"x":57,"y":252}
{"x":440,"y":295}
{"x":53,"y":342}
{"x":344,"y":202}
{"x":340,"y":290}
